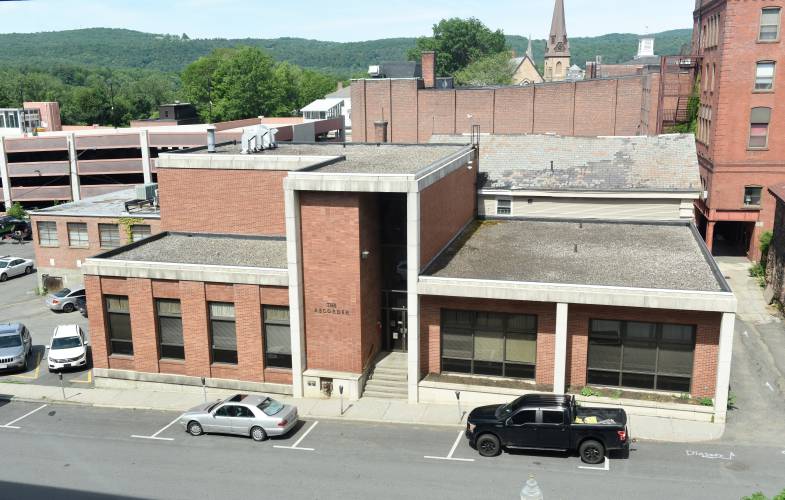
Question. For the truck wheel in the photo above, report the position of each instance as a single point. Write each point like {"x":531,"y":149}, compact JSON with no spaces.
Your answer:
{"x":488,"y":445}
{"x":592,"y":452}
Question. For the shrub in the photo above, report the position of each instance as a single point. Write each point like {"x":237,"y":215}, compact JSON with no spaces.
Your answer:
{"x":17,"y":211}
{"x":588,"y":392}
{"x":704,"y":401}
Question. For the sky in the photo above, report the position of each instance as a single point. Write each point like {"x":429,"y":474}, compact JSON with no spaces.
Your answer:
{"x":341,"y":20}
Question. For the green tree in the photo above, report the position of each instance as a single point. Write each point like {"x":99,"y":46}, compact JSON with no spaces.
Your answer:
{"x":495,"y":69}
{"x":242,"y":85}
{"x":459,"y":42}
{"x":17,"y":211}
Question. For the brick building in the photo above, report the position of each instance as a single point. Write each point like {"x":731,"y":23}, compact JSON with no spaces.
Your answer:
{"x":340,"y":254}
{"x":741,"y":144}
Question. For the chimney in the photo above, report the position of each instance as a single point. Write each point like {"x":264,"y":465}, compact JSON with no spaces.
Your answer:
{"x":211,"y":138}
{"x":429,"y":68}
{"x":380,"y":131}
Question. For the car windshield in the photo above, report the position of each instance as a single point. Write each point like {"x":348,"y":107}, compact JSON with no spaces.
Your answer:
{"x":509,"y":408}
{"x":270,"y":406}
{"x":10,"y":341}
{"x":62,"y":293}
{"x":66,"y":342}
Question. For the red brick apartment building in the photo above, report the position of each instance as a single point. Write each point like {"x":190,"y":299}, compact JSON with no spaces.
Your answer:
{"x":329,"y":257}
{"x":741,"y":133}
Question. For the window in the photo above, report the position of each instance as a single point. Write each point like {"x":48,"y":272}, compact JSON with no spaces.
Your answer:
{"x":641,"y":355}
{"x":77,"y":234}
{"x":223,"y":338}
{"x":552,"y":416}
{"x":483,"y":343}
{"x":118,"y":321}
{"x":139,"y":232}
{"x":503,"y":207}
{"x":759,"y":127}
{"x":170,"y":328}
{"x":752,"y":195}
{"x":109,"y":235}
{"x":769,"y":24}
{"x":524,"y":417}
{"x":277,"y":337}
{"x":764,"y":75}
{"x":47,"y":234}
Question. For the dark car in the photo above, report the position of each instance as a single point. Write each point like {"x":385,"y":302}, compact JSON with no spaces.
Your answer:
{"x":15,"y":228}
{"x":548,"y":422}
{"x":81,"y":304}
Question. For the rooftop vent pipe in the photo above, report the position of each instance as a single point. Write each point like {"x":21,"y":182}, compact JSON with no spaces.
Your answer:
{"x":211,"y":138}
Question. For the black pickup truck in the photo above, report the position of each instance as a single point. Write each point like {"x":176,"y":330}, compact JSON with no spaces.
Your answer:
{"x":548,"y":422}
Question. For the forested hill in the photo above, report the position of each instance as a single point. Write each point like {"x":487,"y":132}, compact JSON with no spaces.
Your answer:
{"x":119,"y":48}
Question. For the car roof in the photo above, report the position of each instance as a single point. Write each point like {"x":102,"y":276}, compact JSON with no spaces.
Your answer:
{"x":66,"y":331}
{"x":7,"y":328}
{"x":248,"y":399}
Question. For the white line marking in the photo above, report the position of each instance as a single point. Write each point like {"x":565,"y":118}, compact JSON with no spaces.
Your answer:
{"x":710,"y":456}
{"x":605,"y":466}
{"x":770,"y":387}
{"x":10,"y":425}
{"x":296,"y":446}
{"x":452,"y":450}
{"x":155,"y":436}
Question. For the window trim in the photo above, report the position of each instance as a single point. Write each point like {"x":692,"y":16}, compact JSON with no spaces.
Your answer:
{"x":497,"y":206}
{"x":38,"y":234}
{"x":755,"y":88}
{"x":161,"y":344}
{"x":776,"y":39}
{"x":767,"y":123}
{"x":265,"y":322}
{"x":210,"y":321}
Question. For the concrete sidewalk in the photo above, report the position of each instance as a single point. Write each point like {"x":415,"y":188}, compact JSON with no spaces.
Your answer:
{"x":385,"y":411}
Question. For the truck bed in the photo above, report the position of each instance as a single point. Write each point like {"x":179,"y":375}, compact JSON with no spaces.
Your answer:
{"x":587,"y":415}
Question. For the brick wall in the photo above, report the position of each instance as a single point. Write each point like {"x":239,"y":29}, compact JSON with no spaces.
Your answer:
{"x":222,"y":201}
{"x":64,"y":255}
{"x":446,"y":206}
{"x":193,"y":296}
{"x":592,"y":107}
{"x":775,"y":263}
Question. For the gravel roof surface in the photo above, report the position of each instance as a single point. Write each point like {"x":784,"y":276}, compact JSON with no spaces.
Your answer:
{"x":365,"y":158}
{"x":610,"y":254}
{"x":641,"y":163}
{"x":216,"y":250}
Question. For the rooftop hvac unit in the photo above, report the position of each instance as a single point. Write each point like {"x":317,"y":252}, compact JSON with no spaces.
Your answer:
{"x":374,"y":70}
{"x":258,"y":138}
{"x":146,"y":191}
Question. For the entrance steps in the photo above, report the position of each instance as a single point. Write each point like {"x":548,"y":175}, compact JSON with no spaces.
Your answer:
{"x":388,"y":377}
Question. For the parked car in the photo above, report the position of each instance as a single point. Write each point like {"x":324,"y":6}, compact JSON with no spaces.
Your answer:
{"x":548,"y":422}
{"x":14,"y":266}
{"x":67,"y":349}
{"x":64,"y":299}
{"x":15,"y":346}
{"x":81,"y":304}
{"x":255,"y":416}
{"x":9,"y":227}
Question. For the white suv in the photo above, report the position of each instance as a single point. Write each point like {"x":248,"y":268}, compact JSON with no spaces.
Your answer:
{"x":68,"y":348}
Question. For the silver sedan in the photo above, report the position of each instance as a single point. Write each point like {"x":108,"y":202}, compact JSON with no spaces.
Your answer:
{"x":242,"y":414}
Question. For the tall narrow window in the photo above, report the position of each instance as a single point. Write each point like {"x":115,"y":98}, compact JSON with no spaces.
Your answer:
{"x":47,"y":234}
{"x":759,"y":127}
{"x":170,"y":328}
{"x":139,"y":232}
{"x":277,"y":337}
{"x":109,"y":234}
{"x":77,"y":234}
{"x":764,"y":75}
{"x":223,"y":337}
{"x":118,"y":323}
{"x":769,"y":24}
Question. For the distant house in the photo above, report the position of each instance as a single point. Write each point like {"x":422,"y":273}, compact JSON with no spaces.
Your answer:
{"x":333,"y":105}
{"x":525,"y":71}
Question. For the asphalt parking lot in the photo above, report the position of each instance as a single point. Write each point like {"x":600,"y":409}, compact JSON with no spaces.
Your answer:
{"x":20,"y":304}
{"x":53,"y":450}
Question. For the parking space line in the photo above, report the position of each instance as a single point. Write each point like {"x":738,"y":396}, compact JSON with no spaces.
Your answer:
{"x":155,"y":436}
{"x":606,"y":466}
{"x":89,"y":378}
{"x":296,"y":445}
{"x":452,"y":450}
{"x":35,"y":373}
{"x":10,"y":425}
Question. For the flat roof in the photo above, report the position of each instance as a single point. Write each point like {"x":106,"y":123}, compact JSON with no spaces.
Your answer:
{"x":205,"y":249}
{"x":666,"y":256}
{"x":664,"y":163}
{"x":359,"y":158}
{"x":103,"y":205}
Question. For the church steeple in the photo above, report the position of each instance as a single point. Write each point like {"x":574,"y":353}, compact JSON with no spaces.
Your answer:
{"x":529,"y":51}
{"x":557,"y":44}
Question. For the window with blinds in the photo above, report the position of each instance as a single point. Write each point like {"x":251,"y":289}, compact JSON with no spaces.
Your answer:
{"x":77,"y":234}
{"x":47,"y":234}
{"x":759,"y":128}
{"x":118,"y":323}
{"x":139,"y":232}
{"x":170,"y":329}
{"x":223,"y":336}
{"x":109,"y":234}
{"x":277,"y":337}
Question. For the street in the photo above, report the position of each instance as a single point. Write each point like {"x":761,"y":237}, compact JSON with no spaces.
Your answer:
{"x":64,"y":451}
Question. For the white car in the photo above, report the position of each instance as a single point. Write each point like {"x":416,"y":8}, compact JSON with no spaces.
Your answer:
{"x":14,"y":266}
{"x":68,"y":348}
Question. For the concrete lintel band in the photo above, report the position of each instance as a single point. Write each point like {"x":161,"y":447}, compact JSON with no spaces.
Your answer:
{"x":4,"y":178}
{"x":293,"y":252}
{"x":413,"y":271}
{"x":727,"y":326}
{"x":560,"y":354}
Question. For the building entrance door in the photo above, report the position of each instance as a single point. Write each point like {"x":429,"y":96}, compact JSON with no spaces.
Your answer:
{"x":394,"y":318}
